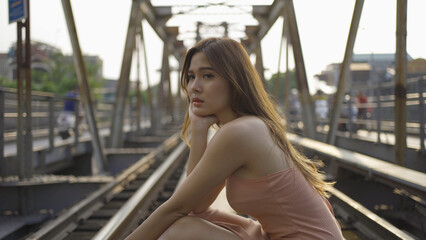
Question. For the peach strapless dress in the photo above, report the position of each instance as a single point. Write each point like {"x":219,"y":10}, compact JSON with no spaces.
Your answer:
{"x":284,"y":205}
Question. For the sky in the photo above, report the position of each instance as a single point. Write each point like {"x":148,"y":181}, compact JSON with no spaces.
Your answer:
{"x":323,"y":28}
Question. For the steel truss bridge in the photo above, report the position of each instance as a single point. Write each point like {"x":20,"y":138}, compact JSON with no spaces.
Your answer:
{"x":67,"y":188}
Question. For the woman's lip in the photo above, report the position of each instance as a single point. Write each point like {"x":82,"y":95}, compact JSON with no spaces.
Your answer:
{"x":197,"y":100}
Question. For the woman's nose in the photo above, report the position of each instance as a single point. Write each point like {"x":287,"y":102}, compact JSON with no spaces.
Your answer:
{"x":196,"y":85}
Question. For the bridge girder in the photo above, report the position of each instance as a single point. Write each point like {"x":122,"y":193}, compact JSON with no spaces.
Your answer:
{"x":157,"y":18}
{"x":267,"y":15}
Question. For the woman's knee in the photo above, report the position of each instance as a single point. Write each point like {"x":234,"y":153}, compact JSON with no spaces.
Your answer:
{"x":180,"y":229}
{"x":195,"y":228}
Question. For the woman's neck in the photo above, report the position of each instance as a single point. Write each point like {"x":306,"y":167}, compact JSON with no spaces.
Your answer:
{"x":227,"y":116}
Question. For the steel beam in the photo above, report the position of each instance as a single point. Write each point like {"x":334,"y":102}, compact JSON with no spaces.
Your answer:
{"x":308,"y":116}
{"x":28,"y":138}
{"x":157,"y":18}
{"x":20,"y":131}
{"x":277,"y":80}
{"x":162,"y":101}
{"x":266,"y":15}
{"x":344,"y":72}
{"x":400,"y":82}
{"x":287,"y":70}
{"x":77,"y":122}
{"x":52,"y":123}
{"x":148,"y":87}
{"x":259,"y":61}
{"x":2,"y":111}
{"x":120,"y":104}
{"x":170,"y":105}
{"x":421,"y":114}
{"x":99,"y":163}
{"x":138,"y":87}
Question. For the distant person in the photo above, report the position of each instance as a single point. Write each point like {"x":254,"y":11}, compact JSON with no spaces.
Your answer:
{"x":265,"y":176}
{"x":295,"y":109}
{"x":70,"y":100}
{"x":67,"y":117}
{"x":361,"y":100}
{"x":349,"y":114}
{"x":321,"y":106}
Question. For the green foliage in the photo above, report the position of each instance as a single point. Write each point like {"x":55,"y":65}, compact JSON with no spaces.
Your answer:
{"x":62,"y":78}
{"x":270,"y":84}
{"x":7,"y":83}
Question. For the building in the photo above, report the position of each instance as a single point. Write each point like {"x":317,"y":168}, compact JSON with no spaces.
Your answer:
{"x":416,"y":67}
{"x":41,"y":60}
{"x":366,"y":70}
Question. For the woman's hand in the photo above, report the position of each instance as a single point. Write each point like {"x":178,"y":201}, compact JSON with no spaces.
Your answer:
{"x":199,"y":130}
{"x":201,"y":122}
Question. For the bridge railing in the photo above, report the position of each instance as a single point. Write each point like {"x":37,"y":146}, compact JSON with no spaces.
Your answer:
{"x":46,"y":108}
{"x":377,"y":113}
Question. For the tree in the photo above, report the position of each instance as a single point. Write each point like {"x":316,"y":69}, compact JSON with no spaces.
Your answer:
{"x":7,"y":83}
{"x":61,"y":77}
{"x":270,"y":84}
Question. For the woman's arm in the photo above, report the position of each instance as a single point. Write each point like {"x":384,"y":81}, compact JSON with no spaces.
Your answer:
{"x":198,"y":147}
{"x":225,"y":154}
{"x":199,"y":135}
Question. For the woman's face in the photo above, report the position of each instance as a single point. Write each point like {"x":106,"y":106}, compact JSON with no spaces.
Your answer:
{"x":209,"y":92}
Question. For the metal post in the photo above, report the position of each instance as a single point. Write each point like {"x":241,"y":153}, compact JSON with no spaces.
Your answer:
{"x":20,"y":143}
{"x":422,"y":116}
{"x":197,"y":31}
{"x":161,"y":100}
{"x":287,"y":84}
{"x":350,"y":115}
{"x":400,"y":88}
{"x":277,"y":80}
{"x":138,"y":88}
{"x":2,"y":111}
{"x":99,"y":163}
{"x":166,"y":66}
{"x":51,"y":124}
{"x":179,"y":89}
{"x":28,"y":116}
{"x":171,"y":105}
{"x":344,"y":73}
{"x":120,"y":104}
{"x":180,"y":101}
{"x":148,"y":89}
{"x":77,"y":121}
{"x":379,"y":111}
{"x":304,"y":96}
{"x":259,"y":61}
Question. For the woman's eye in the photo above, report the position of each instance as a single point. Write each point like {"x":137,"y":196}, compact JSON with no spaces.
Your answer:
{"x":208,"y":75}
{"x":190,"y":77}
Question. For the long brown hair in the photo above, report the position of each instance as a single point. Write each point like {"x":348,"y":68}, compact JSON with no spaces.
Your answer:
{"x":249,"y":97}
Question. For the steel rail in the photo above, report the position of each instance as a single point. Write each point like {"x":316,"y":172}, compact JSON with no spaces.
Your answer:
{"x":382,"y":171}
{"x":67,"y":221}
{"x":118,"y":224}
{"x":367,"y":222}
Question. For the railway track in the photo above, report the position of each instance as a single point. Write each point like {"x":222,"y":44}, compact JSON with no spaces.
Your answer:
{"x":357,"y":222}
{"x":86,"y":219}
{"x":118,"y":208}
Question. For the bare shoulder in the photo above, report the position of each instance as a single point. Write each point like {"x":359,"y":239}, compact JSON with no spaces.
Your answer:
{"x":245,"y":130}
{"x":246,"y":124}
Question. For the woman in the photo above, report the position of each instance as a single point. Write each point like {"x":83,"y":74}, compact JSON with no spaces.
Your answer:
{"x":265,"y":176}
